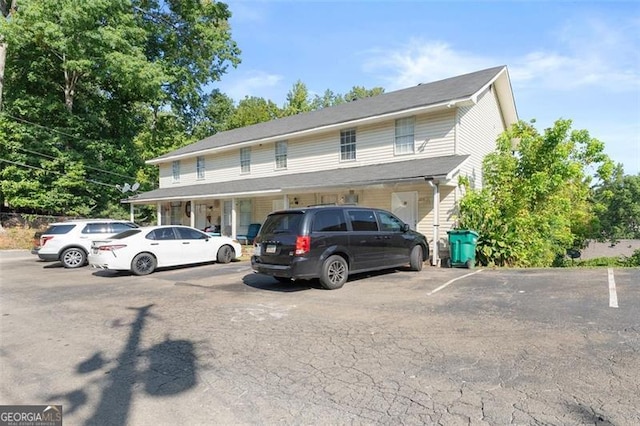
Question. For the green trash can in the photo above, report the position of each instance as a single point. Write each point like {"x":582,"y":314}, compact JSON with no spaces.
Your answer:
{"x":462,"y":248}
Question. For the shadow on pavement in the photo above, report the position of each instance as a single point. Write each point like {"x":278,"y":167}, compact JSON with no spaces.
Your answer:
{"x":172,"y":366}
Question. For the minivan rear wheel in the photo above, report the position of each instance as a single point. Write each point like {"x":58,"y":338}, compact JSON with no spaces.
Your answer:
{"x":334,"y":273}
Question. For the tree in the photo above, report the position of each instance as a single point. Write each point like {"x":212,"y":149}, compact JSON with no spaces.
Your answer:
{"x":191,"y":41}
{"x":215,"y":115}
{"x":84,"y":79}
{"x":6,"y":8}
{"x":359,"y":92}
{"x":534,"y":204}
{"x":297,"y":100}
{"x":91,"y":45}
{"x":618,"y":201}
{"x":253,"y":110}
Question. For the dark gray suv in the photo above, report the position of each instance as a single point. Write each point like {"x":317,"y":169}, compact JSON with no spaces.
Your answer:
{"x":331,"y":242}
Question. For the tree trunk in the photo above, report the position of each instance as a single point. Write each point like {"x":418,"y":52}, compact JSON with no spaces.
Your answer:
{"x":7,"y":8}
{"x":70,"y":82}
{"x":3,"y":58}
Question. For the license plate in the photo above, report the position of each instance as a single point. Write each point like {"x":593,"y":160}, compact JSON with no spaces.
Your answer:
{"x":270,"y":249}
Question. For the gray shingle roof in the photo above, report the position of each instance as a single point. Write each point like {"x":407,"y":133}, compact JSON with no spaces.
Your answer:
{"x":417,"y":169}
{"x":438,"y":92}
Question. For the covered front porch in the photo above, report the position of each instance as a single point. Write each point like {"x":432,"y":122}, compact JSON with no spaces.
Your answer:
{"x":421,"y":192}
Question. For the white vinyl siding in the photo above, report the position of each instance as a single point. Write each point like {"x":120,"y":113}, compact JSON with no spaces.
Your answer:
{"x":434,"y":136}
{"x":245,"y":160}
{"x":478,"y":129}
{"x":200,"y":167}
{"x":405,"y":136}
{"x":348,"y":145}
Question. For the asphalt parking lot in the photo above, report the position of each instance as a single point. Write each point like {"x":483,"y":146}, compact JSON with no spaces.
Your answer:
{"x":217,"y":344}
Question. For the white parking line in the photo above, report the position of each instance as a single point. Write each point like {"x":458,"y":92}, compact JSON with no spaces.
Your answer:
{"x":452,"y":281}
{"x":613,"y":296}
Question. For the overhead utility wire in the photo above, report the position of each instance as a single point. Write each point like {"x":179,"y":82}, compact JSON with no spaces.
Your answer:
{"x":22,"y":120}
{"x":65,"y":134}
{"x":85,"y":166}
{"x":53,"y":171}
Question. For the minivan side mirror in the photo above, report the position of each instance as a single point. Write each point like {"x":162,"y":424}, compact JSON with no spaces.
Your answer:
{"x":405,"y":227}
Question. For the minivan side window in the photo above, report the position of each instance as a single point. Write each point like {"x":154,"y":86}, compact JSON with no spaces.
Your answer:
{"x":329,"y":221}
{"x":363,"y":220}
{"x":389,"y":223}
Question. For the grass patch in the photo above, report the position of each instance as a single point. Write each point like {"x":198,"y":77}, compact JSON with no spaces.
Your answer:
{"x":610,"y":262}
{"x":17,"y":238}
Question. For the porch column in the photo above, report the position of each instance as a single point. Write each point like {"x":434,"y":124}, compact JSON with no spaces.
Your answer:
{"x":192,"y":214}
{"x":131,"y":215}
{"x":233,"y":219}
{"x":435,"y":261}
{"x":159,"y":212}
{"x":286,"y":201}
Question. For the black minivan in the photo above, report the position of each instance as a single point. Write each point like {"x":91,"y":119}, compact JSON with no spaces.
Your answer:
{"x":331,"y":242}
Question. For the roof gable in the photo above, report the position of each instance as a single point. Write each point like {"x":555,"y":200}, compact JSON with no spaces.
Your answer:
{"x":424,"y":95}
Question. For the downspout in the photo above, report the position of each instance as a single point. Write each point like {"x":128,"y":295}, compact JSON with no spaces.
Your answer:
{"x":435,"y":185}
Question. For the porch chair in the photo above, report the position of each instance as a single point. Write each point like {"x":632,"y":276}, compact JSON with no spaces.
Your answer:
{"x":251,"y":234}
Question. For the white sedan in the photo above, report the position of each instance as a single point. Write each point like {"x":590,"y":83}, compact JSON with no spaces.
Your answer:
{"x":142,"y":250}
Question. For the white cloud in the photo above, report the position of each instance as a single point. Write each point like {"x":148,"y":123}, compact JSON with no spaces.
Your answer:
{"x":251,"y":83}
{"x":591,"y":53}
{"x":422,"y":61}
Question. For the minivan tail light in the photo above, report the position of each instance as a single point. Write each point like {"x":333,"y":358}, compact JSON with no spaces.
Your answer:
{"x":303,"y":245}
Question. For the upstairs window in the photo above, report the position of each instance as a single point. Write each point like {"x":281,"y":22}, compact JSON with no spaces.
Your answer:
{"x":245,"y":160}
{"x":348,"y":145}
{"x":281,"y":155}
{"x":175,"y":169}
{"x":200,"y":167}
{"x":405,"y":135}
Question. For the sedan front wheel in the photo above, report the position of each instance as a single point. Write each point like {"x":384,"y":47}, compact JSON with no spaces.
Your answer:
{"x":225,"y":254}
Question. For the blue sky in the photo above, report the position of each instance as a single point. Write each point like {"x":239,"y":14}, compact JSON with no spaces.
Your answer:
{"x":566,"y":59}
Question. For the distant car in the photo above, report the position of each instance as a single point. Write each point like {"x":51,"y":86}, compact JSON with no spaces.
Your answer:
{"x":142,"y":250}
{"x":331,"y":242}
{"x":69,"y":242}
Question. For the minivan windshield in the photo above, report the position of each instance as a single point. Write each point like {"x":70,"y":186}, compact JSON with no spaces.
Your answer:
{"x":282,"y":223}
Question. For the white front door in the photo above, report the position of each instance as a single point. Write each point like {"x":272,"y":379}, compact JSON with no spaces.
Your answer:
{"x":405,"y":206}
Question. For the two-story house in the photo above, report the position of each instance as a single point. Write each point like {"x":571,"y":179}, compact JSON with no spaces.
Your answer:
{"x":402,"y":151}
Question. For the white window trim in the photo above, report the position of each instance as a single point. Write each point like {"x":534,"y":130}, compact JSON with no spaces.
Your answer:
{"x":175,"y":171}
{"x":355,"y":146}
{"x":247,"y":159}
{"x":413,"y":135}
{"x":200,"y":171}
{"x":286,"y":155}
